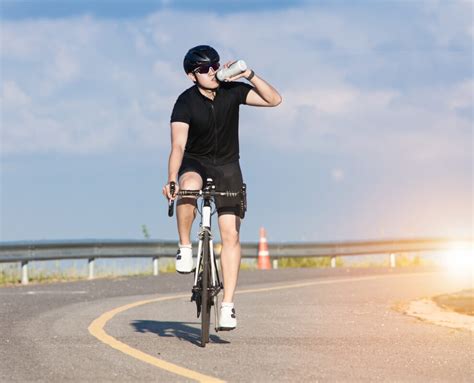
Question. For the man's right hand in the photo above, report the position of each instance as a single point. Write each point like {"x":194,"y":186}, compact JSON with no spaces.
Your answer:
{"x":167,"y":191}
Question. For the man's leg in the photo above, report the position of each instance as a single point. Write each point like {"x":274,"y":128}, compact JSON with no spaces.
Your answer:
{"x":186,"y":207}
{"x":229,"y":226}
{"x":186,"y":212}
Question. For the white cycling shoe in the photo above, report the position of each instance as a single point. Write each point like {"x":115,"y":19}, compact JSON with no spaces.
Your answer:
{"x":184,"y":259}
{"x":227,"y":318}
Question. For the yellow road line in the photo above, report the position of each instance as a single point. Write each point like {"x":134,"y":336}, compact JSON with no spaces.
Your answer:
{"x":96,"y":328}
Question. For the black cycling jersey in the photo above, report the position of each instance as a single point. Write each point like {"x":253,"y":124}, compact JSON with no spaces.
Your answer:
{"x":213,"y":125}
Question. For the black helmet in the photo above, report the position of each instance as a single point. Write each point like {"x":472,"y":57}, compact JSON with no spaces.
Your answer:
{"x":200,"y":55}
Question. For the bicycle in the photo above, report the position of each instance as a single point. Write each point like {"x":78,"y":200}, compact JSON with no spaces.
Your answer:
{"x":207,"y":283}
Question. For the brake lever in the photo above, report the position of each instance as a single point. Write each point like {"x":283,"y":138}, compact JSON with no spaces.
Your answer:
{"x":243,"y":201}
{"x":171,"y":201}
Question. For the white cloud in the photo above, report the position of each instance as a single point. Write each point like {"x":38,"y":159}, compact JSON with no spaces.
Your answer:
{"x":331,"y":100}
{"x":141,"y":44}
{"x":66,"y":67}
{"x":462,"y":96}
{"x":13,"y":95}
{"x":337,"y":174}
{"x":41,"y":131}
{"x":380,"y":124}
{"x":94,"y":85}
{"x":166,"y":72}
{"x":449,"y":21}
{"x":369,"y":91}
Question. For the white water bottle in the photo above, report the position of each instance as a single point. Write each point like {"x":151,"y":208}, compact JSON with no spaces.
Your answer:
{"x":235,"y":69}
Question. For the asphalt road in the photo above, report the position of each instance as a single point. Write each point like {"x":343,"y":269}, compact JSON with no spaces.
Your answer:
{"x":302,"y":325}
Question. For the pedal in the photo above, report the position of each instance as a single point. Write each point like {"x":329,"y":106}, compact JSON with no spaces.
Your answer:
{"x":196,"y":297}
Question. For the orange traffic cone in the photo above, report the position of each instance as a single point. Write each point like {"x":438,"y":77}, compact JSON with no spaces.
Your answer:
{"x":263,"y":254}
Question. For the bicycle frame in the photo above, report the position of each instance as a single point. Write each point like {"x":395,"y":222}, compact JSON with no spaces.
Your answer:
{"x":207,"y":285}
{"x":215,"y":285}
{"x":206,"y":226}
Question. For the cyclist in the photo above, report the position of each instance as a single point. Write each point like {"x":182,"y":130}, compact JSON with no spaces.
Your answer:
{"x":205,"y":143}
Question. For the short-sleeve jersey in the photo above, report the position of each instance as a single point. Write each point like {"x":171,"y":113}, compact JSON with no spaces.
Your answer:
{"x":213,"y":125}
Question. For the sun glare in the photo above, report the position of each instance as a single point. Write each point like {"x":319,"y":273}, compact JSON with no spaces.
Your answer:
{"x":459,"y":259}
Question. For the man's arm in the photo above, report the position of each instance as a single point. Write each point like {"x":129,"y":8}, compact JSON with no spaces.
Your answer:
{"x":179,"y":136}
{"x":263,"y":94}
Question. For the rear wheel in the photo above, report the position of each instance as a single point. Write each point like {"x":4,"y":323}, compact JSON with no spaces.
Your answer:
{"x":206,"y":299}
{"x":215,"y":303}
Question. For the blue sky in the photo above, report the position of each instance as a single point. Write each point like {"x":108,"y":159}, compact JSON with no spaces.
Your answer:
{"x":373,"y":138}
{"x":21,"y":9}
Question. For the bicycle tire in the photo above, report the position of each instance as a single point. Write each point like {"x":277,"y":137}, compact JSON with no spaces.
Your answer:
{"x":206,"y":299}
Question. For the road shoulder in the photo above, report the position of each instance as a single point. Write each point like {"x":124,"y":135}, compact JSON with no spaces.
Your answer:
{"x":427,"y":310}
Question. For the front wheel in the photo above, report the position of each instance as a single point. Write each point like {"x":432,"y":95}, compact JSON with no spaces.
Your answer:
{"x":206,"y":298}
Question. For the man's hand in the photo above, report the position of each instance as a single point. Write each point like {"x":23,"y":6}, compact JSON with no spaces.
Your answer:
{"x":167,"y":191}
{"x":245,"y":73}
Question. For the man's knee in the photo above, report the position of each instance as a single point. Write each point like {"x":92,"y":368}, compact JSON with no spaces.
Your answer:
{"x":229,"y":226}
{"x":189,"y":181}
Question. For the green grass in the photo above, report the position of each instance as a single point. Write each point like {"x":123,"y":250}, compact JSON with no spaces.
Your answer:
{"x":169,"y":267}
{"x":7,"y":278}
{"x":248,"y":265}
{"x":10,"y":274}
{"x":14,"y":278}
{"x":402,"y":260}
{"x":312,"y":262}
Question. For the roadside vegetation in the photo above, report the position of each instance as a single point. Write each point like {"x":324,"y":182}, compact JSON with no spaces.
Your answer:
{"x":10,"y":274}
{"x":402,"y":260}
{"x":461,"y":302}
{"x":311,"y":262}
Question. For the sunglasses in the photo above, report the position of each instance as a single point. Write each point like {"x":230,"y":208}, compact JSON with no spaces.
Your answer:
{"x":205,"y":68}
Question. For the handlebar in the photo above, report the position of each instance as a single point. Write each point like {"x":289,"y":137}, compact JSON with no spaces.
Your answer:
{"x":207,"y":192}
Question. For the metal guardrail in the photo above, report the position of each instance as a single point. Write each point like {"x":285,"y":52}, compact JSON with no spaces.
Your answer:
{"x":26,"y":251}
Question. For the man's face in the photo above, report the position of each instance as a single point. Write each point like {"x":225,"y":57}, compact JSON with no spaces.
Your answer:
{"x":206,"y":76}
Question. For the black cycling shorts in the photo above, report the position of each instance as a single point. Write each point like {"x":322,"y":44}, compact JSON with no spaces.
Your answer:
{"x":226,"y":177}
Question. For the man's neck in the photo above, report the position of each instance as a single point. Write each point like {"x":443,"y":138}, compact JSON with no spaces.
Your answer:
{"x":207,"y":92}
